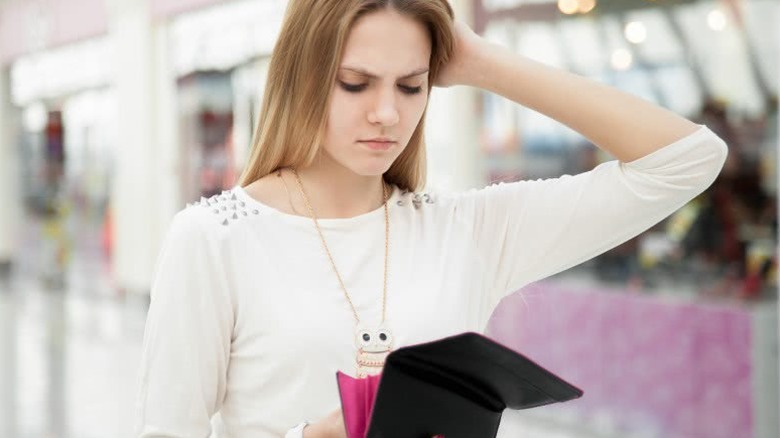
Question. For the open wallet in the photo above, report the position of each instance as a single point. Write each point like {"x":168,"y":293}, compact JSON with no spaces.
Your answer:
{"x":456,"y":386}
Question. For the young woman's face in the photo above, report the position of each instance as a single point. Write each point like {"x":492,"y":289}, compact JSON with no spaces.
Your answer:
{"x":380,"y":92}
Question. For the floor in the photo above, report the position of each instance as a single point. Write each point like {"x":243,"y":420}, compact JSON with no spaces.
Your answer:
{"x":69,"y":354}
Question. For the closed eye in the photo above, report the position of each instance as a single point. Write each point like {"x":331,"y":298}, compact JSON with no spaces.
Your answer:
{"x":353,"y":88}
{"x":357,"y":88}
{"x":410,"y":90}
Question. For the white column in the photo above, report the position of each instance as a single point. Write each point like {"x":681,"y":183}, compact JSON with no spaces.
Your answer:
{"x":10,"y":199}
{"x":452,"y":129}
{"x":168,"y":153}
{"x":145,"y":192}
{"x":11,"y":203}
{"x":9,"y":376}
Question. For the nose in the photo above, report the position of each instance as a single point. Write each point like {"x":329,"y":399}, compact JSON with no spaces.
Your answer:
{"x":385,"y":110}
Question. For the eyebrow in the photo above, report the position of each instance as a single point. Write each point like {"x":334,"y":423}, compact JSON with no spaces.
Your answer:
{"x":366,"y":73}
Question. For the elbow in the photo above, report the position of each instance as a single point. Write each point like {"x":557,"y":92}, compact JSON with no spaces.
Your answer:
{"x":709,"y":167}
{"x":719,"y":154}
{"x":710,"y":152}
{"x":703,"y":170}
{"x":681,"y":171}
{"x":721,"y":151}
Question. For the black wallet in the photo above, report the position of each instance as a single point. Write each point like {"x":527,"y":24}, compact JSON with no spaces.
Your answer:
{"x":459,"y":387}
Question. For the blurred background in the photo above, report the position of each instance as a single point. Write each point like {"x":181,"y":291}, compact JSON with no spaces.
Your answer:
{"x":116,"y":113}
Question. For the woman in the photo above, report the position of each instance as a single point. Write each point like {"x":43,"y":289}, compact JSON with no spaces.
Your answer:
{"x":324,"y":258}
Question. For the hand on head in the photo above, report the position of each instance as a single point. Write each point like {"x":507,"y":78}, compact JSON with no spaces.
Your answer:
{"x":459,"y":68}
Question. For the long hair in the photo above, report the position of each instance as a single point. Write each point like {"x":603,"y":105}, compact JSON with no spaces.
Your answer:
{"x":303,"y":68}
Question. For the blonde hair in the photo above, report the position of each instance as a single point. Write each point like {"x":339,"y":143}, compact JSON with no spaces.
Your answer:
{"x":304,"y":63}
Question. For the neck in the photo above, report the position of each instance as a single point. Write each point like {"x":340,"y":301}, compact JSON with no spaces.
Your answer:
{"x":336,"y":192}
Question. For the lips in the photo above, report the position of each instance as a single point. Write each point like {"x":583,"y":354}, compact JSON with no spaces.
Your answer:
{"x":378,"y":144}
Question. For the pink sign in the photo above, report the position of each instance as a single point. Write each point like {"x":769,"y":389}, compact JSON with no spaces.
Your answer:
{"x":28,"y":26}
{"x":169,"y":8}
{"x":678,"y":369}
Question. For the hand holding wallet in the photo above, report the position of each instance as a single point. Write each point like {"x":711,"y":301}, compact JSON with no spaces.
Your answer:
{"x":457,"y":386}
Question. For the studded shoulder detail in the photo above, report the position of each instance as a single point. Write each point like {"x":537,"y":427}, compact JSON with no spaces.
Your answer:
{"x":417,"y":199}
{"x":226,"y":207}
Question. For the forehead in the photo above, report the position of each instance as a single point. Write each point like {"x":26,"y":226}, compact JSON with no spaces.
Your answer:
{"x":387,"y":43}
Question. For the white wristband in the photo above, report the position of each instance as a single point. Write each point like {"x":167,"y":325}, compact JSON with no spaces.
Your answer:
{"x":297,"y":431}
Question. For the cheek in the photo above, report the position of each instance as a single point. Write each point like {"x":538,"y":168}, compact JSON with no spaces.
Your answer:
{"x":414,"y":111}
{"x":342,"y":115}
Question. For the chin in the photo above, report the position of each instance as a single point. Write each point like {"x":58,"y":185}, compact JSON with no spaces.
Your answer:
{"x":370,"y":169}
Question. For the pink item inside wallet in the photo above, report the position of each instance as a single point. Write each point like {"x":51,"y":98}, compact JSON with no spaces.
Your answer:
{"x":357,"y":402}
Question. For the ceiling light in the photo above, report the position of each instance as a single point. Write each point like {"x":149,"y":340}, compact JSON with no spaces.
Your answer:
{"x":568,"y":7}
{"x":621,"y":59}
{"x":635,"y":32}
{"x":586,"y":6}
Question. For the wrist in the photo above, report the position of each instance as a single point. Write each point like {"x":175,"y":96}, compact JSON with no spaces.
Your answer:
{"x":299,"y":431}
{"x":314,"y":431}
{"x":486,"y":57}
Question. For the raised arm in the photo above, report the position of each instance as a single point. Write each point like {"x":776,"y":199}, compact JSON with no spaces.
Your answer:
{"x":528,"y":230}
{"x":624,"y":125}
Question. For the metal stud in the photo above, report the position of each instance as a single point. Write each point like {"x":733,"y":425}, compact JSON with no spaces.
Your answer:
{"x":233,"y":198}
{"x":244,"y":213}
{"x":242,"y":203}
{"x":225,"y":222}
{"x":255,"y":212}
{"x":401,"y":203}
{"x":223,"y":208}
{"x":216,"y":211}
{"x":235,"y":216}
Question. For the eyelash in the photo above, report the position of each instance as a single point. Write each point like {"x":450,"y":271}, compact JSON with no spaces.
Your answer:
{"x":351,"y":88}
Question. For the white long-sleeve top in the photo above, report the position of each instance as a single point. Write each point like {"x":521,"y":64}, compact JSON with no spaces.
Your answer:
{"x":247,"y":317}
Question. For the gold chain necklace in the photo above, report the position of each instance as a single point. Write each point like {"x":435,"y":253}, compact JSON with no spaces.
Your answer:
{"x":373,"y":344}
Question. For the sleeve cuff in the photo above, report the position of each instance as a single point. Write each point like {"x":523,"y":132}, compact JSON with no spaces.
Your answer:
{"x":675,"y":149}
{"x":297,"y":431}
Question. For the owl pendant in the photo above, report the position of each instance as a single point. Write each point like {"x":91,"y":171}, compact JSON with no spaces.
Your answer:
{"x":373,"y":345}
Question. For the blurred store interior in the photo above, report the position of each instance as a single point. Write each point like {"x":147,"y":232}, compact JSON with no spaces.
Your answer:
{"x":116,"y":113}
